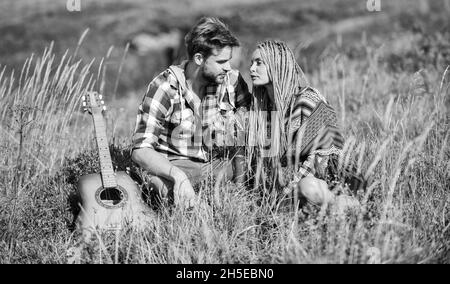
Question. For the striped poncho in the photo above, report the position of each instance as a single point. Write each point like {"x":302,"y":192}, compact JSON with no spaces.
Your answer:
{"x":320,"y":130}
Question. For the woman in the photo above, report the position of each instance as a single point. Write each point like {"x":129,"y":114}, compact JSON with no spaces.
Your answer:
{"x":282,"y":106}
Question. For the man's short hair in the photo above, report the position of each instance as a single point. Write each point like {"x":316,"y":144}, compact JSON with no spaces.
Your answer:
{"x":208,"y":34}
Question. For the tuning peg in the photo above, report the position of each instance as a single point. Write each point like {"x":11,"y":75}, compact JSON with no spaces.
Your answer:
{"x":83,"y":98}
{"x":100,"y":96}
{"x":84,"y":104}
{"x":104,"y":107}
{"x":102,"y":102}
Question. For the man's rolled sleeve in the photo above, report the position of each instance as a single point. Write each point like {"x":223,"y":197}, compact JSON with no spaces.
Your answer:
{"x":151,"y":117}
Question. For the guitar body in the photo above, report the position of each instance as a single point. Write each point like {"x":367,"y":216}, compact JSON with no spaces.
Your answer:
{"x":111,"y":208}
{"x":109,"y":199}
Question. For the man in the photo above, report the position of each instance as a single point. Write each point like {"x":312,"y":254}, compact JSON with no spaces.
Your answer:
{"x":181,"y":105}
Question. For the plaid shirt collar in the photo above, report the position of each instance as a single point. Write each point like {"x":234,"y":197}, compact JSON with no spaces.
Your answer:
{"x":191,"y":99}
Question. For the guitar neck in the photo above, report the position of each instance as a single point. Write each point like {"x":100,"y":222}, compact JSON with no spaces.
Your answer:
{"x":106,"y":167}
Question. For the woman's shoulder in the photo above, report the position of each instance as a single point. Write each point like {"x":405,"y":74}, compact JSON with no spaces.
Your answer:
{"x":307,"y":97}
{"x":310,"y":93}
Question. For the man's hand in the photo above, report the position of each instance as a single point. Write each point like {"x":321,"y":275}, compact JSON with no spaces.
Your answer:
{"x":183,"y":192}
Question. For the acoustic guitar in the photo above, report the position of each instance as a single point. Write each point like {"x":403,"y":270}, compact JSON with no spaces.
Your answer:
{"x":109,"y":199}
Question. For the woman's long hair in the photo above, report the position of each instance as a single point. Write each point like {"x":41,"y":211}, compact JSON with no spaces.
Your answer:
{"x":287,"y":78}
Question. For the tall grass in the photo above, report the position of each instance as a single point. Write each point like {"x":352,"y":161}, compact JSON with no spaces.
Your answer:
{"x":397,"y":132}
{"x":38,"y":113}
{"x":40,"y":127}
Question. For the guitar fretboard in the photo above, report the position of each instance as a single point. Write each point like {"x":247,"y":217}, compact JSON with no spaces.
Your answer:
{"x":106,"y":167}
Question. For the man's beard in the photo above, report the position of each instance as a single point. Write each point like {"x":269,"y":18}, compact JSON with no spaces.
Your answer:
{"x":213,"y":79}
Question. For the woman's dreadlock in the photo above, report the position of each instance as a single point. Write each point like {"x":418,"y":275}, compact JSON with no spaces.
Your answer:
{"x":287,"y":79}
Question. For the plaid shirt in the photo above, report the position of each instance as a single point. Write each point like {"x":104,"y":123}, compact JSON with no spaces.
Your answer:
{"x":172,"y":120}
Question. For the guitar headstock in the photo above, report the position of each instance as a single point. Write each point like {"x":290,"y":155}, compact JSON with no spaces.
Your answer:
{"x":93,"y":103}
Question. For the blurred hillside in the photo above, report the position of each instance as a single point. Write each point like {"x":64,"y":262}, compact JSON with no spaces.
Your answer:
{"x":314,"y":29}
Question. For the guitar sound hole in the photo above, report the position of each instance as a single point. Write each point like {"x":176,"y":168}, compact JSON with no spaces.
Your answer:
{"x":111,"y":196}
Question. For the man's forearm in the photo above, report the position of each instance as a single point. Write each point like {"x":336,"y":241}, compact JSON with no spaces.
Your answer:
{"x":156,"y":164}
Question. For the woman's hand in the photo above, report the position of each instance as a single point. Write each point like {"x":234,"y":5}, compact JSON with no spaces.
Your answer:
{"x":313,"y":189}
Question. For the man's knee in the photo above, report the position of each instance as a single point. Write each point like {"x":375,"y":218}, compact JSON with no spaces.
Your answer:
{"x":137,"y":156}
{"x":315,"y":190}
{"x":160,"y":186}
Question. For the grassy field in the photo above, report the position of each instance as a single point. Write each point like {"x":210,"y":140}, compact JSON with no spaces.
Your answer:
{"x":386,"y":73}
